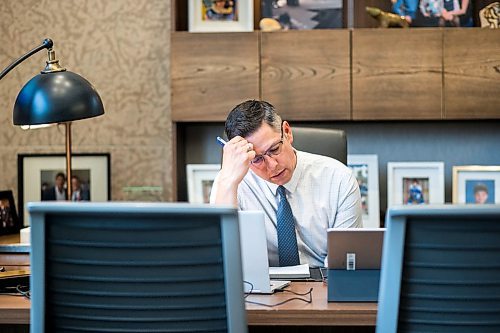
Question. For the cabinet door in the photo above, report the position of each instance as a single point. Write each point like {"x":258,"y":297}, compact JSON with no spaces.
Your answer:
{"x":306,"y":74}
{"x":472,"y":74}
{"x":212,"y":73}
{"x":396,"y":74}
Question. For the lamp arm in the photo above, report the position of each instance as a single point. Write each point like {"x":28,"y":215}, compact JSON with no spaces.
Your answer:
{"x":46,"y":44}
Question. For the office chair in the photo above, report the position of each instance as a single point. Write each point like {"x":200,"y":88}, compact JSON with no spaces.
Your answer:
{"x":440,"y":269}
{"x":322,"y":141}
{"x":135,"y":267}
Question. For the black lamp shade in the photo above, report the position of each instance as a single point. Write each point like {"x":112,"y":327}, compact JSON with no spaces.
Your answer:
{"x":56,"y":98}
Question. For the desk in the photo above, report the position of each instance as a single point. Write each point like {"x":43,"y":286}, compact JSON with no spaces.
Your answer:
{"x":317,"y":313}
{"x":304,"y":316}
{"x":15,"y":310}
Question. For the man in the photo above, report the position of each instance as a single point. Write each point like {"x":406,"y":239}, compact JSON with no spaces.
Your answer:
{"x":58,"y":192}
{"x":79,"y":193}
{"x":262,"y":171}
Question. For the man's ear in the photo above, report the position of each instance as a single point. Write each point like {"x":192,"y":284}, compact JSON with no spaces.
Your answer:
{"x":287,"y":131}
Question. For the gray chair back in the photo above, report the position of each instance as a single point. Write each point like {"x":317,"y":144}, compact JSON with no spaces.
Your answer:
{"x":321,"y":141}
{"x":440,"y":270}
{"x":135,"y":267}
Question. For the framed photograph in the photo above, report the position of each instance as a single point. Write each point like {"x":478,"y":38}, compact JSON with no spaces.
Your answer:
{"x":365,"y":169}
{"x":200,"y":178}
{"x":43,"y":178}
{"x":476,"y":184}
{"x":304,"y":14}
{"x":415,"y":183}
{"x":220,"y":15}
{"x":9,"y":220}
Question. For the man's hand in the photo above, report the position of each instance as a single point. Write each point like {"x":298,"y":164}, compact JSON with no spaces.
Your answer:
{"x":238,"y":153}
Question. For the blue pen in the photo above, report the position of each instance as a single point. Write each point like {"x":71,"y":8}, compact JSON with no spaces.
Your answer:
{"x":221,"y":141}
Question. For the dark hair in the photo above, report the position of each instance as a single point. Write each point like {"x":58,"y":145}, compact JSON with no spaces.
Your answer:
{"x":248,"y":116}
{"x":480,"y":187}
{"x":60,"y":174}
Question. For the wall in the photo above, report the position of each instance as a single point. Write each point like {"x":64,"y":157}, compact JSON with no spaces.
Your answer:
{"x":453,"y":142}
{"x":123,"y":48}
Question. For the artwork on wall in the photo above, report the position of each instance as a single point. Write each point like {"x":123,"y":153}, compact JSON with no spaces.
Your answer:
{"x":43,"y":178}
{"x":9,"y":220}
{"x":220,"y":15}
{"x":304,"y":14}
{"x":476,"y":184}
{"x":415,"y":183}
{"x":200,"y":178}
{"x":365,"y":169}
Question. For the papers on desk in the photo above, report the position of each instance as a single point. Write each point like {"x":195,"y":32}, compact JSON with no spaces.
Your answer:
{"x":289,"y":272}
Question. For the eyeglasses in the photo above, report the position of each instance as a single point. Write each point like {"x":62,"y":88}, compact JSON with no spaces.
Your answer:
{"x":275,"y":150}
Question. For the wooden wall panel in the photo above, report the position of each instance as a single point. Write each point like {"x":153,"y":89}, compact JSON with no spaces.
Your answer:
{"x":211,"y":73}
{"x":472,"y":73}
{"x":397,"y":74}
{"x":306,"y":74}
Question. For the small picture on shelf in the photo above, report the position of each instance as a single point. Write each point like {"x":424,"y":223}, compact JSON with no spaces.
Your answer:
{"x":480,"y":191}
{"x":219,"y":10}
{"x":304,"y":14}
{"x":9,"y":221}
{"x":220,"y":15}
{"x":476,"y":184}
{"x":365,"y":169}
{"x":415,"y":191}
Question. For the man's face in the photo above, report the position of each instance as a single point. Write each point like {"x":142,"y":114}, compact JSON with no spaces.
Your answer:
{"x":481,"y":197}
{"x":277,"y":169}
{"x":59,"y":181}
{"x":75,"y":184}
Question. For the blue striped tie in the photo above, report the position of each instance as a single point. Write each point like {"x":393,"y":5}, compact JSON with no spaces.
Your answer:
{"x":287,"y":240}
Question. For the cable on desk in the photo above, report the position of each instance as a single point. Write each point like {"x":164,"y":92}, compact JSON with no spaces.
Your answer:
{"x":251,"y":288}
{"x":309,"y":293}
{"x":17,"y":291}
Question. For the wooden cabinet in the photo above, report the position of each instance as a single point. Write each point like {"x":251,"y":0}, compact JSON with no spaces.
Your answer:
{"x":306,"y":74}
{"x":328,"y":75}
{"x":211,"y":73}
{"x":471,"y":74}
{"x":396,"y":74}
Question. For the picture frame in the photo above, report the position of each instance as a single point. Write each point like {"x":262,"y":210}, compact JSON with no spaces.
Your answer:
{"x":365,"y":169}
{"x":305,"y":15}
{"x":415,"y":183}
{"x":9,"y":219}
{"x":200,"y":178}
{"x":220,"y":15}
{"x":476,"y":184}
{"x":37,"y":174}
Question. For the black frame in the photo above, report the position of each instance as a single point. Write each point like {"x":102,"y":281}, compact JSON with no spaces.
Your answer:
{"x":20,"y":175}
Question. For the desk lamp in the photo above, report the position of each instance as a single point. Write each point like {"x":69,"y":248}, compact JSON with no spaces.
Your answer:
{"x":54,"y":96}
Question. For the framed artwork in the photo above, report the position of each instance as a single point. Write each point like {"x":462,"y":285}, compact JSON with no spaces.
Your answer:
{"x":365,"y":169}
{"x":476,"y":184}
{"x":302,"y":15}
{"x":200,"y":178}
{"x":43,"y":178}
{"x":9,"y":220}
{"x":415,"y":183}
{"x":220,"y":15}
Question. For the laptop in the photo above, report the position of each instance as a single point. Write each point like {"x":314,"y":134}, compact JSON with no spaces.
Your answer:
{"x":365,"y":244}
{"x":254,"y":256}
{"x":354,"y":257}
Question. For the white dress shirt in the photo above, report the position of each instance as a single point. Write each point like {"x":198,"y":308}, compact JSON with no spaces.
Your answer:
{"x":322,"y":193}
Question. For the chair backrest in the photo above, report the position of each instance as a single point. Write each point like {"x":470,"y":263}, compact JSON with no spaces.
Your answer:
{"x":321,"y":141}
{"x":130,"y":267}
{"x":440,"y":269}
